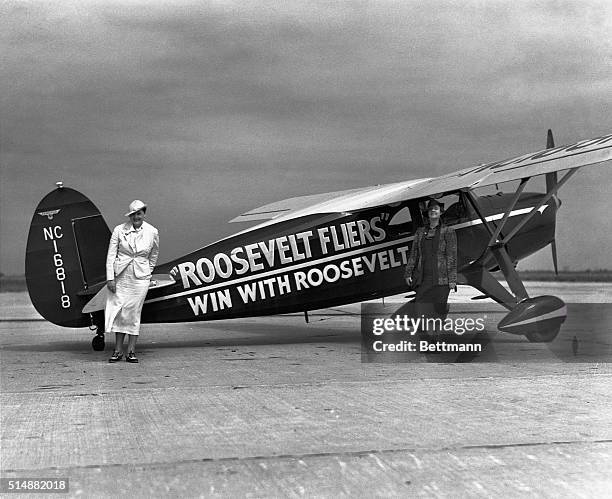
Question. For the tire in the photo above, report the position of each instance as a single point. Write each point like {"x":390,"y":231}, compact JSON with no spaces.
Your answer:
{"x":97,"y":343}
{"x":543,"y":336}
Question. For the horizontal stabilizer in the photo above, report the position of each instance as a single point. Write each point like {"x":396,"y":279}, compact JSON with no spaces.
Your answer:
{"x":98,"y":302}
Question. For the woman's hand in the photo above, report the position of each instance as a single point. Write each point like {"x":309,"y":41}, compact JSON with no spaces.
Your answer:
{"x":111,"y":286}
{"x":409,"y":281}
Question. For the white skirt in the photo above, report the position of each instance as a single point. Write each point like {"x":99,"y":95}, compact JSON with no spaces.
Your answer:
{"x":122,"y":312}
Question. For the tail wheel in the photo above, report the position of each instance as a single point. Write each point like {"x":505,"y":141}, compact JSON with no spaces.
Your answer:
{"x":97,"y":325}
{"x":543,"y":336}
{"x":98,"y":343}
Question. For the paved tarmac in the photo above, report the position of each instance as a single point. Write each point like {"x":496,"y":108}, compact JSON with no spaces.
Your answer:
{"x":274,"y":407}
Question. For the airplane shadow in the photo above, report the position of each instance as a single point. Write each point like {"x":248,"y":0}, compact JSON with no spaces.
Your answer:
{"x":249,"y":334}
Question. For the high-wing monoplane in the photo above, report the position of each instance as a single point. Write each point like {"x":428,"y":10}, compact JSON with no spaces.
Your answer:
{"x":321,"y":250}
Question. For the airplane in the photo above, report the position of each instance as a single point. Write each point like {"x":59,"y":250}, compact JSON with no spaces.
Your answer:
{"x":322,"y":250}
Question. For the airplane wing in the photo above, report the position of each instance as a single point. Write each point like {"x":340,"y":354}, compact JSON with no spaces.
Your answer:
{"x":278,"y":208}
{"x":583,"y":153}
{"x":330,"y":202}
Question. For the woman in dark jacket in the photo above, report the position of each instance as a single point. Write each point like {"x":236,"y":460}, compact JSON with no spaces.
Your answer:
{"x":432,"y":265}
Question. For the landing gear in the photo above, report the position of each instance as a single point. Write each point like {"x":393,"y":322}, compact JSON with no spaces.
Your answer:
{"x":543,"y":336}
{"x":97,"y":325}
{"x":539,"y":318}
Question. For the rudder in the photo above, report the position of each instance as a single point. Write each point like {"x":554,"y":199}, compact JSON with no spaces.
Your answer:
{"x":65,"y":256}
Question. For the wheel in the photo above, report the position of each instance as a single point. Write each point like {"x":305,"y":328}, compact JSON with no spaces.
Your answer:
{"x":543,"y":336}
{"x":98,"y":343}
{"x":98,"y":321}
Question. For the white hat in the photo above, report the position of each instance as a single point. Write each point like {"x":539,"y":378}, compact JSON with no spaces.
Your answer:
{"x":135,"y":206}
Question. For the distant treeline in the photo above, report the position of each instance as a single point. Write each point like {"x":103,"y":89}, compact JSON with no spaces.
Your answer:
{"x":18,"y":283}
{"x":12,"y":283}
{"x":567,"y":275}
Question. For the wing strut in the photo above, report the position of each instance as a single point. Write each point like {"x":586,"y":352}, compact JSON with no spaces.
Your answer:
{"x":507,"y":267}
{"x":470,"y":196}
{"x":513,"y":202}
{"x":498,"y":249}
{"x":553,"y":190}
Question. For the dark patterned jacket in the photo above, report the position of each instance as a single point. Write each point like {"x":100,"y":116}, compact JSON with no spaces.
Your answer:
{"x":447,"y":257}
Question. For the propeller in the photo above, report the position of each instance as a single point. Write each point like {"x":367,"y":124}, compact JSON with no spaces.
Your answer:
{"x":553,"y":247}
{"x":551,"y":178}
{"x":551,"y":181}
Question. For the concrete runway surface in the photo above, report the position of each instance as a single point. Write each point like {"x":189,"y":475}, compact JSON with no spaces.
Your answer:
{"x":274,"y":407}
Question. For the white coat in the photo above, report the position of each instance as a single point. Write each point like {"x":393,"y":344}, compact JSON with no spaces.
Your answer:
{"x":143,"y":252}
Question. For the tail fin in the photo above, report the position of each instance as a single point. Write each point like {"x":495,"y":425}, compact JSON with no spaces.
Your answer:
{"x":65,"y":256}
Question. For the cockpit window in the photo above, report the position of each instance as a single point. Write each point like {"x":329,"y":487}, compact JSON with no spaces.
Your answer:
{"x":401,"y":217}
{"x":455,"y":213}
{"x":401,"y":222}
{"x":453,"y":208}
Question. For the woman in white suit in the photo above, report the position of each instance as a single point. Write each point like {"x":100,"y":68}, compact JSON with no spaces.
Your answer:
{"x":132,"y":255}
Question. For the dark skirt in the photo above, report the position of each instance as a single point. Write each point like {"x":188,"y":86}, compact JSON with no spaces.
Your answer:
{"x":431,"y":302}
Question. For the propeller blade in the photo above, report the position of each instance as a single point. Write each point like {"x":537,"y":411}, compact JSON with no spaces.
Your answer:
{"x":551,"y":178}
{"x":551,"y":181}
{"x":553,"y":247}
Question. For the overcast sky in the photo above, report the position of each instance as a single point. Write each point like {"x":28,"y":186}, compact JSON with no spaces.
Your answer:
{"x":207,"y":109}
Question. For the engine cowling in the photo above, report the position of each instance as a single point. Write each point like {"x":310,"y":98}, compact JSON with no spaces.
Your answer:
{"x":538,"y":318}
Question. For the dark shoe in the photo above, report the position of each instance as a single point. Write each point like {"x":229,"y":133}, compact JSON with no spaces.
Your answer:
{"x":131,"y":357}
{"x":116,"y":357}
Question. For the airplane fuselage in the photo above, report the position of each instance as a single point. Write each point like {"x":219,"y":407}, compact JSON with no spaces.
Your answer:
{"x":328,"y":259}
